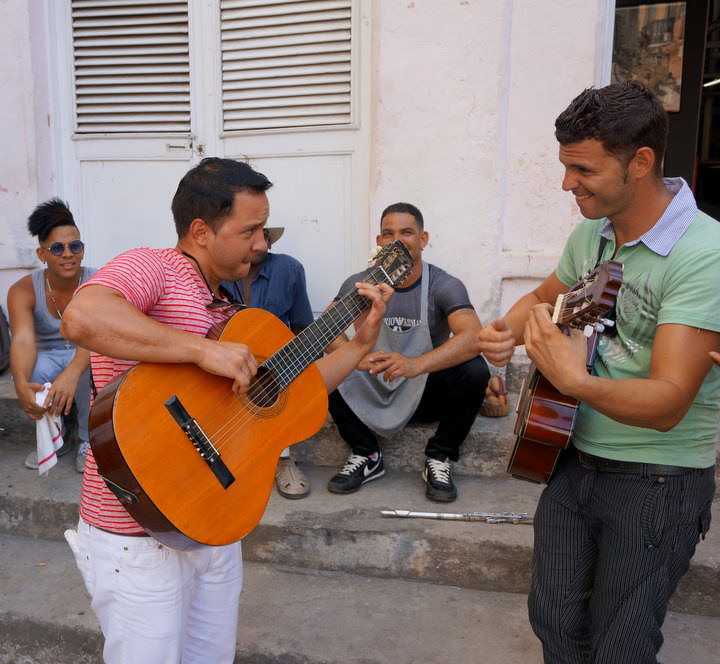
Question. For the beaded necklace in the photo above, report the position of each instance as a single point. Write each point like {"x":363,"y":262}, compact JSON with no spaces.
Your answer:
{"x":54,"y":301}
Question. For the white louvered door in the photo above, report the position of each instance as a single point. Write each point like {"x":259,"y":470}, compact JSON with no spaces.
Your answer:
{"x":146,"y":89}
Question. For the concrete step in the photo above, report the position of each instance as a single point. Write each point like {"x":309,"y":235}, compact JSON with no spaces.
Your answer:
{"x":347,"y":533}
{"x":484,"y":452}
{"x":296,"y":616}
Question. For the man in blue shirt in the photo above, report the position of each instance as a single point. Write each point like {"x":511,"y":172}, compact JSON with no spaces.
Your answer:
{"x":276,"y":283}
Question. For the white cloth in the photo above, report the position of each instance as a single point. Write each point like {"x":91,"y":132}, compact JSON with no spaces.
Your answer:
{"x":48,"y":431}
{"x":158,"y":605}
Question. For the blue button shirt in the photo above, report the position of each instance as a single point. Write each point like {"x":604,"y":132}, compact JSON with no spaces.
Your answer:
{"x":278,"y":287}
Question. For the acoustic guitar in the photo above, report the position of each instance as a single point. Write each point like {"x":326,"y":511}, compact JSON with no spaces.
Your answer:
{"x":192,"y":462}
{"x":546,"y":418}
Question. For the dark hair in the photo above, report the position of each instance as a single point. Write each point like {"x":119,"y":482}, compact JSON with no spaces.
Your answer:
{"x":622,"y":116}
{"x":406,"y":208}
{"x":47,"y":216}
{"x":208,"y":190}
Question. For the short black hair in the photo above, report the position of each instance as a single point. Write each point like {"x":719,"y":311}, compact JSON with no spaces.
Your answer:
{"x":47,"y":216}
{"x":208,"y":190}
{"x":622,"y":116}
{"x":404,"y":208}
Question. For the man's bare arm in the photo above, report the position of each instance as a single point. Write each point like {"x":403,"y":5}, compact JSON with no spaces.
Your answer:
{"x":679,"y":364}
{"x":459,"y":348}
{"x":498,"y":339}
{"x":102,"y":320}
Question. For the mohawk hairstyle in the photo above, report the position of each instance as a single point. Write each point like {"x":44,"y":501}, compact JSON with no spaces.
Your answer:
{"x":49,"y":215}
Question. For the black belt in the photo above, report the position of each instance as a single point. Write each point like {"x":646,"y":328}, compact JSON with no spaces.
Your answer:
{"x":590,"y":462}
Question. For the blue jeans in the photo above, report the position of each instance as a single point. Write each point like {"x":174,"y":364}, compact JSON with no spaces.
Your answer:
{"x":609,"y":551}
{"x":49,"y":365}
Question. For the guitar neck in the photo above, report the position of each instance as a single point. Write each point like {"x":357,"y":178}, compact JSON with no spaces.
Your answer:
{"x":296,"y":355}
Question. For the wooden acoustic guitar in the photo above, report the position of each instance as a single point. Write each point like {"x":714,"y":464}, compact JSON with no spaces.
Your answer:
{"x":194,"y":463}
{"x":546,"y":418}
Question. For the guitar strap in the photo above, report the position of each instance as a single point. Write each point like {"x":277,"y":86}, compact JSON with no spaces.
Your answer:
{"x":612,"y":314}
{"x":601,"y":248}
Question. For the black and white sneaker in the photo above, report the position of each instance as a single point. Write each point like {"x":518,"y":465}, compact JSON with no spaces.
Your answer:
{"x":438,"y":480}
{"x":356,"y":471}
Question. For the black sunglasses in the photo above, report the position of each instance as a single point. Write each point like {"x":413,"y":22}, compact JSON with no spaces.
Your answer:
{"x":58,"y":248}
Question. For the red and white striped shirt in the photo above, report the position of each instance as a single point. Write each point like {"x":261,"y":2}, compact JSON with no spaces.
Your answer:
{"x":163,"y":284}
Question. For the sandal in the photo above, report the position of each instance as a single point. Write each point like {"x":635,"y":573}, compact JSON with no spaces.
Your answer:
{"x":291,"y":482}
{"x":495,"y":403}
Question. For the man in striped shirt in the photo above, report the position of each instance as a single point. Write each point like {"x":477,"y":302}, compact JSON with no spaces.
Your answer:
{"x":157,"y":604}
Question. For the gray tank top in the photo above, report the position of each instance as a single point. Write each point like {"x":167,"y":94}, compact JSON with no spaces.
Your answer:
{"x":47,"y":328}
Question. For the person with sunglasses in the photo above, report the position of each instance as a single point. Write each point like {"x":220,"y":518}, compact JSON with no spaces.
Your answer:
{"x":38,"y":353}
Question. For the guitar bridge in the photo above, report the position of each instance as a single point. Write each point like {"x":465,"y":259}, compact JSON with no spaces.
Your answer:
{"x":200,"y":440}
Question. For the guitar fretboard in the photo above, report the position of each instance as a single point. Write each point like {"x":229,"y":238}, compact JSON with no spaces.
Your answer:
{"x":296,"y":355}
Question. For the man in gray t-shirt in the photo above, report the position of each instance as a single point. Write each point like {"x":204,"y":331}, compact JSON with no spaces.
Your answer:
{"x":425,"y":367}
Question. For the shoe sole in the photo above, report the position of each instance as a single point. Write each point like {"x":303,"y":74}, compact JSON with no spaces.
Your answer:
{"x":292,"y":496}
{"x":372,"y":477}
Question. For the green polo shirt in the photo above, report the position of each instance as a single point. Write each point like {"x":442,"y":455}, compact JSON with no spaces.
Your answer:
{"x":671,"y":274}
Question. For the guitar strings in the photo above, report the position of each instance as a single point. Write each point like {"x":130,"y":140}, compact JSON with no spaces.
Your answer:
{"x":266,"y":387}
{"x":268,"y":384}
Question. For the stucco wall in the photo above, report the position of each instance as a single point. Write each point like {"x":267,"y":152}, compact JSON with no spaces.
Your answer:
{"x":464,"y":96}
{"x":467,"y":92}
{"x":25,"y":168}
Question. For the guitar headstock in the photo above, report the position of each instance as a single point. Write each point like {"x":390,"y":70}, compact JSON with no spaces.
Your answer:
{"x":591,"y":298}
{"x":395,"y":264}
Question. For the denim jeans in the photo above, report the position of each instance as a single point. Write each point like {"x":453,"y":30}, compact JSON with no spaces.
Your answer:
{"x":48,"y":366}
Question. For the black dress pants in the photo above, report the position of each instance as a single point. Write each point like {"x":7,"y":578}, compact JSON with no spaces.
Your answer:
{"x":451,"y":397}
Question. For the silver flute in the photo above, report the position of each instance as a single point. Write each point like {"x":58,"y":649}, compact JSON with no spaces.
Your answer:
{"x":487,"y":517}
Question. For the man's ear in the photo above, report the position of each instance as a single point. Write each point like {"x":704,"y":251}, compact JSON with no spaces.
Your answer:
{"x":40,"y":254}
{"x":199,"y":231}
{"x":643,"y":162}
{"x":424,"y":239}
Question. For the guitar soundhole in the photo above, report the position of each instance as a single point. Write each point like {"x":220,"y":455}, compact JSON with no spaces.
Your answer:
{"x":264,"y":392}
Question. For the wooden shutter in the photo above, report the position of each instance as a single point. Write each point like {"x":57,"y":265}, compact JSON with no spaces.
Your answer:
{"x":286,"y":63}
{"x":132,"y":71}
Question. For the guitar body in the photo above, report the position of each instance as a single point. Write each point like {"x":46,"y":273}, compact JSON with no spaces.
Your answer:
{"x":543,"y":429}
{"x":546,"y":417}
{"x":150,"y":463}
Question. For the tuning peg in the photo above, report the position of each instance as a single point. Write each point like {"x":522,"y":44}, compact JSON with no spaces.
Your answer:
{"x":607,"y":322}
{"x":373,"y":254}
{"x":588,"y":330}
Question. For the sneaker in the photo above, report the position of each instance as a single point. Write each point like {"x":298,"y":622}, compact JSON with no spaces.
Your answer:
{"x":80,"y":457}
{"x":291,"y":482}
{"x":31,"y":460}
{"x":438,"y":480}
{"x":356,"y":471}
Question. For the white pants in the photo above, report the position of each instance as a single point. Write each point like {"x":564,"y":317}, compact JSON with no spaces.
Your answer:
{"x":157,"y":605}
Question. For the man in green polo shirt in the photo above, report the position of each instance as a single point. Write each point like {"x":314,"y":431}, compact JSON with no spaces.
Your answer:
{"x":617,"y":525}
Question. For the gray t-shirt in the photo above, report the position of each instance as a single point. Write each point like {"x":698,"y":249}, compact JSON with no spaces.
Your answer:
{"x":445,"y":294}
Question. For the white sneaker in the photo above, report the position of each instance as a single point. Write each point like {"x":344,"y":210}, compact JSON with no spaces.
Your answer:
{"x":31,"y":460}
{"x":80,"y":458}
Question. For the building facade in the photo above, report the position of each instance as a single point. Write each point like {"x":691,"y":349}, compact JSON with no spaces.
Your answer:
{"x":347,"y":106}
